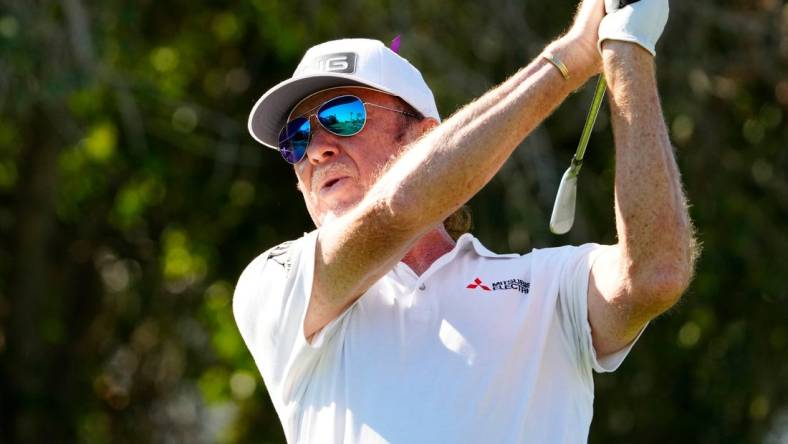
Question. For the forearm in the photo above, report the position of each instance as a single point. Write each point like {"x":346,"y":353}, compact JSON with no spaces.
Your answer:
{"x":437,"y":174}
{"x":653,"y":226}
{"x":455,"y":160}
{"x":443,"y":169}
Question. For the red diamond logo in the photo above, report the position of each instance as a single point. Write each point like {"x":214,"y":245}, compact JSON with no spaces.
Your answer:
{"x":478,"y":283}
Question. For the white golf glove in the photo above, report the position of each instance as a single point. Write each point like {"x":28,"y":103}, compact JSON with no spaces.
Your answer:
{"x":641,"y":22}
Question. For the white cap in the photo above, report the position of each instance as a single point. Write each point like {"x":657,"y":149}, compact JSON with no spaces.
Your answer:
{"x":346,"y":62}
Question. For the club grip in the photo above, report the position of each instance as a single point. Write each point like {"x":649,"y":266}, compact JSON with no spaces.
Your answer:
{"x":622,"y":3}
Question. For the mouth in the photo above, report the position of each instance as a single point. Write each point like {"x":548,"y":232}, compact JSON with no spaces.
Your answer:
{"x":332,"y":183}
{"x":331,"y":177}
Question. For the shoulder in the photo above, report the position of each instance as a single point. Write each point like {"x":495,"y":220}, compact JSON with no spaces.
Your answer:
{"x":279,"y":258}
{"x":270,"y":268}
{"x":280,"y":255}
{"x":565,"y":254}
{"x":265,"y":283}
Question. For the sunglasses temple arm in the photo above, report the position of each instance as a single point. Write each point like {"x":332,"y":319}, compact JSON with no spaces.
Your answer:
{"x":391,"y":109}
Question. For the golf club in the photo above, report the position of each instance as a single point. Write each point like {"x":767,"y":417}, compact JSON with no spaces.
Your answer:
{"x":563,"y":216}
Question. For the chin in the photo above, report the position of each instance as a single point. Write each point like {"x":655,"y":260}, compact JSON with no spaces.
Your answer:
{"x":327,"y":218}
{"x":336,"y":211}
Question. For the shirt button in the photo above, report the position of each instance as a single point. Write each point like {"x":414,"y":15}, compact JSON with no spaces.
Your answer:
{"x":422,"y":287}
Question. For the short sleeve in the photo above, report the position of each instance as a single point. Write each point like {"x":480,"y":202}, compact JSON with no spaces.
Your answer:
{"x":269,"y":305}
{"x":573,"y":309}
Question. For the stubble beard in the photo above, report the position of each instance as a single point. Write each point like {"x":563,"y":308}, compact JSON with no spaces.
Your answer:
{"x":342,"y":207}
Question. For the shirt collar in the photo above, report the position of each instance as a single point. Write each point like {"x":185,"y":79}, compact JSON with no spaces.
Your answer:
{"x":468,"y":241}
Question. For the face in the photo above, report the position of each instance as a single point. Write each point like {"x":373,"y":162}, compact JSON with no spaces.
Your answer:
{"x":337,"y":171}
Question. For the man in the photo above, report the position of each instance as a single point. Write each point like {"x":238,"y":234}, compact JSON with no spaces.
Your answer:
{"x":378,"y":327}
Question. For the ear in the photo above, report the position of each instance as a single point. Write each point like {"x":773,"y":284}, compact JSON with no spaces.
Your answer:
{"x":427,"y":124}
{"x":416,"y":130}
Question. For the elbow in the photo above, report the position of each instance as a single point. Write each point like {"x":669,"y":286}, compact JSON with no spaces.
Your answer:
{"x":392,"y":213}
{"x":409,"y":212}
{"x":659,"y":283}
{"x":661,"y":287}
{"x":401,"y":211}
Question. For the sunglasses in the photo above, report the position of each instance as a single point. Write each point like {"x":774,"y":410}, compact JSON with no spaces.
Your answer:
{"x":342,"y":116}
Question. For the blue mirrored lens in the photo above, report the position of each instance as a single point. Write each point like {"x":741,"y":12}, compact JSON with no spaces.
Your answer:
{"x":293,"y":139}
{"x":343,"y":116}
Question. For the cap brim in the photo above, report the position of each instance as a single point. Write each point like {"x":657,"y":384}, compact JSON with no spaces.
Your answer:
{"x":270,"y":113}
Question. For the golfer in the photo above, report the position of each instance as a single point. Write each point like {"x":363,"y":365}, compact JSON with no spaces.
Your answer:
{"x":378,"y":327}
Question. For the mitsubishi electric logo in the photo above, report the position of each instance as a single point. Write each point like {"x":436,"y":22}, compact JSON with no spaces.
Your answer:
{"x":477,"y":283}
{"x":510,"y":284}
{"x":344,"y":62}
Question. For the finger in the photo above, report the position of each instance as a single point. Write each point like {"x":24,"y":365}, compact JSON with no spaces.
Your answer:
{"x":589,"y":13}
{"x":592,"y":8}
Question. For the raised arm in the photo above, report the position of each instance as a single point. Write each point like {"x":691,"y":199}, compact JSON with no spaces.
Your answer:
{"x":650,"y":267}
{"x":443,"y":170}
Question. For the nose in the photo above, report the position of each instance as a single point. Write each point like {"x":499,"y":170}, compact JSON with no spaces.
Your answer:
{"x":322,"y":147}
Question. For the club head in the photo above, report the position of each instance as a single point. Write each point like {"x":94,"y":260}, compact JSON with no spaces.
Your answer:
{"x":563,"y":216}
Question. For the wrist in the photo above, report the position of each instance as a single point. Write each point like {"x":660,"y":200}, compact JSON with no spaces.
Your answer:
{"x":613,"y":50}
{"x":626,"y":61}
{"x":620,"y":56}
{"x":580,"y":63}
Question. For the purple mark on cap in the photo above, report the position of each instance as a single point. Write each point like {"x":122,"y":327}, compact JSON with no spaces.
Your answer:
{"x":395,"y":44}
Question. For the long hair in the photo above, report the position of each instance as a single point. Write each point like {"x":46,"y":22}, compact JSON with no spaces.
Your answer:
{"x":459,"y":222}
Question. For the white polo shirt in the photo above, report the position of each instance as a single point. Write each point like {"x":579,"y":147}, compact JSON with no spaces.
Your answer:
{"x":481,"y":348}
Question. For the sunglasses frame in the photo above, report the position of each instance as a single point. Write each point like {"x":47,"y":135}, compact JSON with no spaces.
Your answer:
{"x":316,"y":110}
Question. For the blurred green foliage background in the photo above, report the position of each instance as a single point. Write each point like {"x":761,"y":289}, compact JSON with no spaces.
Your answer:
{"x":131,"y":197}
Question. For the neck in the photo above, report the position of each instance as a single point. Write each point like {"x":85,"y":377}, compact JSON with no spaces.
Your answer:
{"x":428,"y":249}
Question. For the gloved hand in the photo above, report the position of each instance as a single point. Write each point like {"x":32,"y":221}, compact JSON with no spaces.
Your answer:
{"x":641,"y":22}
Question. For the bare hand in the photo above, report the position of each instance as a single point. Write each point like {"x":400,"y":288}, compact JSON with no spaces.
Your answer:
{"x":583,"y":35}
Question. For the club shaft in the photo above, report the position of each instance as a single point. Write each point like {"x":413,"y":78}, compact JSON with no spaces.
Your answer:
{"x":599,"y":94}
